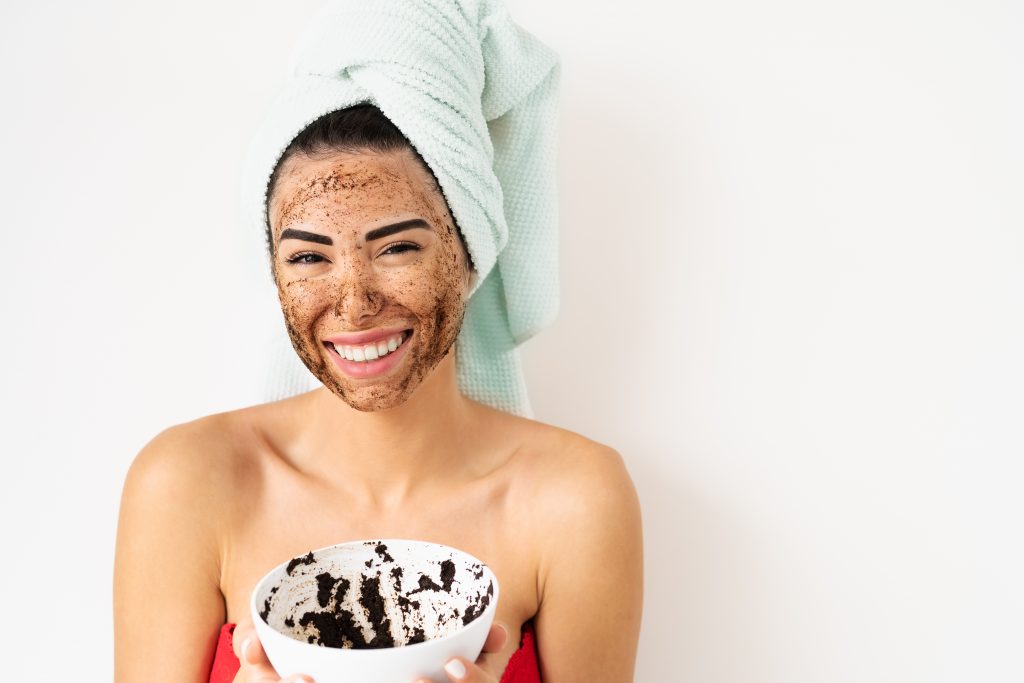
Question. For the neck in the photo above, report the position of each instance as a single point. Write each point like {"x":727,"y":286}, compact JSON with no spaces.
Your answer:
{"x":381,"y":459}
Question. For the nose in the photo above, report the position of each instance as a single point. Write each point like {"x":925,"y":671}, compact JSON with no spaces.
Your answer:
{"x":358,"y":296}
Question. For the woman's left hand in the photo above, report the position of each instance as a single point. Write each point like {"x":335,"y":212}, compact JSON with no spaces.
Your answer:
{"x":460,"y":670}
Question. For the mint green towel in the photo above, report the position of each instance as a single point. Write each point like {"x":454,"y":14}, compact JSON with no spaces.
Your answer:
{"x":476,"y":94}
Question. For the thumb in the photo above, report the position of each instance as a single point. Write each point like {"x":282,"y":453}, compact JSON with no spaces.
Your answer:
{"x":242,"y":632}
{"x":496,"y":638}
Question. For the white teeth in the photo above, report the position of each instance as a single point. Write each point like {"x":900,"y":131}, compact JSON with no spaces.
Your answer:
{"x":371,"y":351}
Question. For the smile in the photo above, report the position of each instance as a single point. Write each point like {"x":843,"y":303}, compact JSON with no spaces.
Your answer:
{"x":367,"y":352}
{"x":369,"y":360}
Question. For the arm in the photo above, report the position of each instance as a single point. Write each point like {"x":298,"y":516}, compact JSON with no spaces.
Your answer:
{"x":168,"y":607}
{"x":588,"y":623}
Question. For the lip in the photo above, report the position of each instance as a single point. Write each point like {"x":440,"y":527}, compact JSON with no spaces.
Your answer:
{"x":370,"y":368}
{"x":356,"y":338}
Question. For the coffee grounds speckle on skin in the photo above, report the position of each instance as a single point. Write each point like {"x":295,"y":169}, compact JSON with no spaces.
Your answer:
{"x":428,"y":287}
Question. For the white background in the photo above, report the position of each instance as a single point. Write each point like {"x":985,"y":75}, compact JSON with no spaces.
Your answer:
{"x":792,"y":249}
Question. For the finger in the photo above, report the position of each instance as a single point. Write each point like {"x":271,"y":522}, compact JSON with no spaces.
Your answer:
{"x":250,"y":653}
{"x":253,"y":655}
{"x":461,"y":671}
{"x":243,"y":630}
{"x":496,"y":638}
{"x":254,"y":661}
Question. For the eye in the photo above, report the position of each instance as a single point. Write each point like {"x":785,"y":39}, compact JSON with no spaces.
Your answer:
{"x":302,"y":258}
{"x":400,"y":248}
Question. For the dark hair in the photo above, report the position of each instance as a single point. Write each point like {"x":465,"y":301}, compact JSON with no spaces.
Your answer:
{"x":360,"y":128}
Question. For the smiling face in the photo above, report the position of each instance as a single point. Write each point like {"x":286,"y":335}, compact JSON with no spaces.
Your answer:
{"x":340,"y":269}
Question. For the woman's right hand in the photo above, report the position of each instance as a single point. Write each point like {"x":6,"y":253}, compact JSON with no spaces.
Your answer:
{"x":254,"y":665}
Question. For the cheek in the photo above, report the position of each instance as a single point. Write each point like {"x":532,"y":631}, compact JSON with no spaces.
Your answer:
{"x":453,"y":262}
{"x":421,"y":287}
{"x":454,"y":279}
{"x":301,"y":300}
{"x":448,"y":295}
{"x":451,"y":266}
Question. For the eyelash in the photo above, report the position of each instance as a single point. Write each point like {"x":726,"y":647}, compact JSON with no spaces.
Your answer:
{"x":297,"y":258}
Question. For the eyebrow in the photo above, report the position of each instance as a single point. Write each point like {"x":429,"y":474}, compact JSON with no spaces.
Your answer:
{"x":290,"y":234}
{"x":374,"y":234}
{"x":377,"y":233}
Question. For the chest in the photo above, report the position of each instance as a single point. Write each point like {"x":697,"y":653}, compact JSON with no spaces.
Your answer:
{"x":286,"y":519}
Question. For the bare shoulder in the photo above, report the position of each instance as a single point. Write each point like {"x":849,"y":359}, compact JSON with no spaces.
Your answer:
{"x":182,"y":478}
{"x":214,"y":451}
{"x":181,"y":448}
{"x":179,"y":501}
{"x":587,"y":522}
{"x":168,"y":555}
{"x":565,"y":468}
{"x":196,"y":456}
{"x":569,"y":481}
{"x":585,"y":483}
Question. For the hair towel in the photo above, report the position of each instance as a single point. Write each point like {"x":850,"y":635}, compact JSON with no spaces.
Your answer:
{"x":476,"y":94}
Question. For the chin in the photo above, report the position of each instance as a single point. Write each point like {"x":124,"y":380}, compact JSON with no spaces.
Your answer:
{"x":366,"y":402}
{"x":374,"y":407}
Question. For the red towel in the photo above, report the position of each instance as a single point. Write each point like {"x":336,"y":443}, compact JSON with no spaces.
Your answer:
{"x":522,"y":668}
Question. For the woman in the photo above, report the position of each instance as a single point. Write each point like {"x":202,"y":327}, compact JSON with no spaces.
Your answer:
{"x":369,"y":261}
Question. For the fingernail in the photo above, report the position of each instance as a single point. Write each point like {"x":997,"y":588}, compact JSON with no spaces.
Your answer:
{"x":455,"y":668}
{"x":245,"y":643}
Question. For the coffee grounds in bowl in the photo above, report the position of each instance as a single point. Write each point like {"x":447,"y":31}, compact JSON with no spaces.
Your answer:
{"x":382,"y":550}
{"x":308,"y":559}
{"x":335,"y":626}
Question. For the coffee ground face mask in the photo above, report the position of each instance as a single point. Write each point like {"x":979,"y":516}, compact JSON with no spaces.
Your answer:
{"x":332,"y":280}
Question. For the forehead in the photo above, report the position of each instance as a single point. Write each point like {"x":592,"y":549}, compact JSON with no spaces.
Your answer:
{"x":352,"y":184}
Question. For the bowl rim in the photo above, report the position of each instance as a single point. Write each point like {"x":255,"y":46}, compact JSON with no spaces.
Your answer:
{"x":259,"y":621}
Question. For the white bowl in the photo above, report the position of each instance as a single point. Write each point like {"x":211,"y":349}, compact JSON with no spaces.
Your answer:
{"x":422,"y":591}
